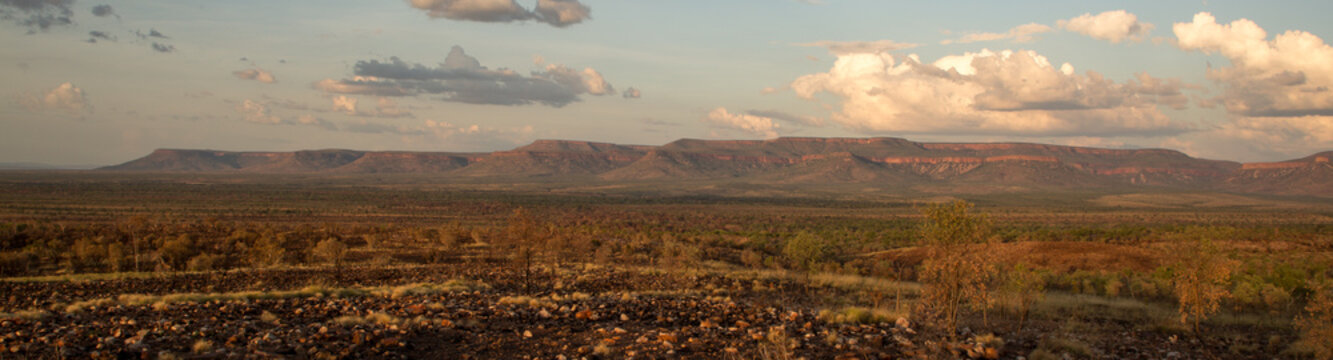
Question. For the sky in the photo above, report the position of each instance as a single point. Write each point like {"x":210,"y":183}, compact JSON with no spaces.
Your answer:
{"x":104,"y":82}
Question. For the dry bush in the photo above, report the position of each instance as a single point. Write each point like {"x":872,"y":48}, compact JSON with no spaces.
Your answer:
{"x":1023,"y":286}
{"x":1201,"y":274}
{"x":1317,"y":323}
{"x":956,"y":273}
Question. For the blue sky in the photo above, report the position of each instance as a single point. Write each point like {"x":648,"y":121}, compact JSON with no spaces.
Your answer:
{"x":371,"y":75}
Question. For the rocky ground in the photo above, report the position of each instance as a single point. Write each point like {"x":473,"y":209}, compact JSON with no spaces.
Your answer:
{"x":487,"y":312}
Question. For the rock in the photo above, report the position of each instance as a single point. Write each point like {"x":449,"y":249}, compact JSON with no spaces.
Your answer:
{"x":544,"y":314}
{"x":624,"y":317}
{"x":527,"y":333}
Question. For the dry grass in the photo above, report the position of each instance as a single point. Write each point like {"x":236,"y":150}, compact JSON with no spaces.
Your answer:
{"x":202,"y":346}
{"x":861,"y":315}
{"x":25,"y":315}
{"x":163,"y":301}
{"x":374,"y":317}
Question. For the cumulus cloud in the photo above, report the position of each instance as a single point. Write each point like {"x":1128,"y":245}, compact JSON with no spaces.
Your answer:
{"x":1008,"y":92}
{"x":163,"y":48}
{"x":587,"y":81}
{"x":753,"y":124}
{"x":1288,"y":76}
{"x":631,"y":93}
{"x":256,"y":74}
{"x":38,"y":14}
{"x":462,"y":78}
{"x":1019,"y":34}
{"x":859,"y":47}
{"x":1277,"y":90}
{"x":1114,"y":26}
{"x":558,"y":13}
{"x":787,"y":117}
{"x":65,"y":97}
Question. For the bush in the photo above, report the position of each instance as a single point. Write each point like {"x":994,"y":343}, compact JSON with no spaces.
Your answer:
{"x":955,"y":273}
{"x":1200,"y":275}
{"x":806,"y":251}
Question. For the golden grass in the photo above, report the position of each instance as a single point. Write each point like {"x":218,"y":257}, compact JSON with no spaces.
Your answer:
{"x":162,"y":301}
{"x":861,"y":315}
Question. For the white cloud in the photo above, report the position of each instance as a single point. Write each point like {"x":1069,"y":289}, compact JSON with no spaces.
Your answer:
{"x":344,"y":104}
{"x":65,"y":97}
{"x":1114,"y":26}
{"x":1008,"y":92}
{"x":752,"y":124}
{"x":1277,"y":91}
{"x":1019,"y":34}
{"x":588,"y":81}
{"x":1288,"y":76}
{"x":256,"y":74}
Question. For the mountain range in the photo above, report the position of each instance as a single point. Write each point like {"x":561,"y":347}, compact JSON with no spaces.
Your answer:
{"x":790,"y":160}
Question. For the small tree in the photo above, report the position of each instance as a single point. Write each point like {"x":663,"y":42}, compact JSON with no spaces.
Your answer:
{"x":267,"y":251}
{"x":954,"y":274}
{"x":524,"y":235}
{"x":1201,"y":274}
{"x":178,"y":252}
{"x":334,"y":252}
{"x":1024,"y":286}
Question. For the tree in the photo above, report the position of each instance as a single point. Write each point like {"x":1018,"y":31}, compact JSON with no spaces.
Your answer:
{"x":178,"y":252}
{"x":334,"y":252}
{"x":806,"y":251}
{"x":267,"y":251}
{"x":523,"y":234}
{"x":954,"y":274}
{"x":1200,"y":274}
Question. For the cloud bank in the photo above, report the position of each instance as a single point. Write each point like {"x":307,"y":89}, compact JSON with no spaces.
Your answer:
{"x":1018,"y":93}
{"x":461,"y":78}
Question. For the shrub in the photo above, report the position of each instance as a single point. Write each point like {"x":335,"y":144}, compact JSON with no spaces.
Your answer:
{"x":178,"y":252}
{"x":1200,"y":275}
{"x":955,"y":273}
{"x":806,"y":251}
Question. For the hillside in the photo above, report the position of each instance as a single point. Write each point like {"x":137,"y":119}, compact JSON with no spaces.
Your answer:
{"x":889,"y":162}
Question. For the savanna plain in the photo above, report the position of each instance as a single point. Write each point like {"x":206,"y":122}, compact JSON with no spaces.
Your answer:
{"x":164,"y":266}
